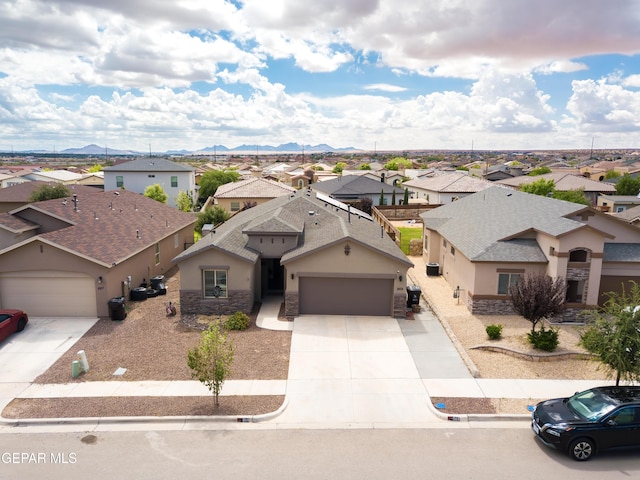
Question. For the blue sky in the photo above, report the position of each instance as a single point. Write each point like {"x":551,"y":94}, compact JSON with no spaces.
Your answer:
{"x":384,"y":74}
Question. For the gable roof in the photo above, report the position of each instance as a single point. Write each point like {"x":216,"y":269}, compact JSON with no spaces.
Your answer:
{"x":318,"y":224}
{"x":253,"y":188}
{"x":483,"y":226}
{"x":106,"y":227}
{"x":563,"y":182}
{"x":350,"y":185}
{"x":148,"y":164}
{"x":22,"y":191}
{"x":454,"y":182}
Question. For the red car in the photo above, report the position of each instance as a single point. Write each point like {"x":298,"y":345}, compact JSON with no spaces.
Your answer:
{"x":12,"y":321}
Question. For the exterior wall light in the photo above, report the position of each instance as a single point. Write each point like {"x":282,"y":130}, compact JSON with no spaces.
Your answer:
{"x":100,"y":280}
{"x":347,"y":249}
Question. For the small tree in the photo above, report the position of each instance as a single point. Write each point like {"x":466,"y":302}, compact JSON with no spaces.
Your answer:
{"x":210,"y":362}
{"x":365,"y":205}
{"x":393,"y":197}
{"x":405,"y":200}
{"x":156,"y":193}
{"x":538,"y":296}
{"x":614,"y":335}
{"x":339,"y":167}
{"x":49,"y":192}
{"x":184,"y":201}
{"x":575,"y":196}
{"x":540,"y":187}
{"x":627,"y":185}
{"x":539,"y":171}
{"x":213,"y":215}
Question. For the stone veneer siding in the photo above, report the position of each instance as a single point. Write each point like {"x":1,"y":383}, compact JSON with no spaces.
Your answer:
{"x":505,"y":307}
{"x":192,"y":302}
{"x":400,"y":305}
{"x":291,"y":305}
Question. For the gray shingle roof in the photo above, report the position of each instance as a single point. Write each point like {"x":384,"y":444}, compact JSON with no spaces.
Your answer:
{"x":327,"y":225}
{"x":454,"y":182}
{"x":563,"y":182}
{"x":350,"y":185}
{"x":147,"y":164}
{"x":483,"y":226}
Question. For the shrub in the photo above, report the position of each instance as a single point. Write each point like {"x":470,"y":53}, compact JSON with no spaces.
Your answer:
{"x":543,"y":339}
{"x":237,"y":321}
{"x":494,"y":331}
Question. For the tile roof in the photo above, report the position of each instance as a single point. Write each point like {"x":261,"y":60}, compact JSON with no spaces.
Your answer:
{"x":108,"y":227}
{"x":483,"y":225}
{"x":454,"y":182}
{"x":146,"y":164}
{"x":253,"y":188}
{"x":319,"y":223}
{"x":563,"y":182}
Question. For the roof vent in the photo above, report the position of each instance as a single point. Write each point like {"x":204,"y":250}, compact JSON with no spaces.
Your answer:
{"x":311,"y":213}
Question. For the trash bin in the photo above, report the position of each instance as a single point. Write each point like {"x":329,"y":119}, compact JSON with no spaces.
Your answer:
{"x":157,"y":283}
{"x":433,"y":269}
{"x":138,"y":294}
{"x":117,"y":308}
{"x":413,"y":295}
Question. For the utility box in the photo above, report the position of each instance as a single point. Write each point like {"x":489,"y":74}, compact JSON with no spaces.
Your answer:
{"x":413,"y":295}
{"x":433,"y":269}
{"x":117,"y":308}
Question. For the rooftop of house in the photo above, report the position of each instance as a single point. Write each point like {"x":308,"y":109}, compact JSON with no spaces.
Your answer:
{"x":22,"y":191}
{"x":319,"y":223}
{"x":355,"y":185}
{"x":106,"y":227}
{"x":254,"y":187}
{"x":146,"y":164}
{"x":454,"y":182}
{"x":563,"y":182}
{"x":484,"y":226}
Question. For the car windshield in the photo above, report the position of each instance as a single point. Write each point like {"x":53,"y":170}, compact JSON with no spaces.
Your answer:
{"x":591,"y":405}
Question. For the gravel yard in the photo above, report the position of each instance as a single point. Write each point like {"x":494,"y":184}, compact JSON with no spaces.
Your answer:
{"x":152,"y":346}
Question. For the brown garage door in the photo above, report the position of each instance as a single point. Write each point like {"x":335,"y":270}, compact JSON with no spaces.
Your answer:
{"x":346,"y":296}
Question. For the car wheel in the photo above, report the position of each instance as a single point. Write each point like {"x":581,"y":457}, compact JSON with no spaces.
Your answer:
{"x":582,"y":449}
{"x":21,"y":324}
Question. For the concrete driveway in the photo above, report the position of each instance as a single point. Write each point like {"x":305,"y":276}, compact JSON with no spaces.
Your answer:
{"x":25,"y":355}
{"x":353,"y":371}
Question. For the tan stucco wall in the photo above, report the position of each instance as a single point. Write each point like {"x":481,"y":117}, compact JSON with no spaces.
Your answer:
{"x":240,"y":276}
{"x":8,"y":238}
{"x":225,"y":203}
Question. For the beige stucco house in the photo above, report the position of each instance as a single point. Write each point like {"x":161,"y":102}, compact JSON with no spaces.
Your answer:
{"x":234,"y":196}
{"x":486,"y":241}
{"x":320,"y":255}
{"x":68,"y":257}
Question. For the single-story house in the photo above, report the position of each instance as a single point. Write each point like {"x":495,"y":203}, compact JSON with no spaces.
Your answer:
{"x":70,"y":256}
{"x":234,"y":195}
{"x":353,"y":188}
{"x":445,"y":187}
{"x":484,"y":242}
{"x":617,"y":203}
{"x":137,"y":175}
{"x":321,"y":256}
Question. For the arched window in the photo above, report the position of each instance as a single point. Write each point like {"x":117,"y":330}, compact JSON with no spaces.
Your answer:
{"x":578,"y":256}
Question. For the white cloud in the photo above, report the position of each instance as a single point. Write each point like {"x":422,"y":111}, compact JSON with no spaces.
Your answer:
{"x":385,"y":87}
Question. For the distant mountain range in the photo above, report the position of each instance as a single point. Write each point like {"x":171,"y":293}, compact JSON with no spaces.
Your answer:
{"x":94,"y":149}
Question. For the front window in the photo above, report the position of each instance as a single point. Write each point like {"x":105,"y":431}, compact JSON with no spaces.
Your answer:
{"x":235,"y":206}
{"x":579,"y":255}
{"x":174,"y":181}
{"x":505,"y":280}
{"x":212,"y":279}
{"x":119,"y":181}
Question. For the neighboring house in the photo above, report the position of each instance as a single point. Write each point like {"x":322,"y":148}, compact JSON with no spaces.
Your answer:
{"x":630,"y":215}
{"x":353,"y":188}
{"x":10,"y":179}
{"x":565,"y":182}
{"x":70,"y":256}
{"x":617,"y":203}
{"x":386,"y":176}
{"x":486,"y":241}
{"x":446,"y":187}
{"x":60,"y":176}
{"x":320,"y":255}
{"x":137,"y":175}
{"x":19,"y":195}
{"x":234,"y":195}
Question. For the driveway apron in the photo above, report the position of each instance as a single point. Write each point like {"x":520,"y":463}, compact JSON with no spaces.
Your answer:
{"x":353,"y":370}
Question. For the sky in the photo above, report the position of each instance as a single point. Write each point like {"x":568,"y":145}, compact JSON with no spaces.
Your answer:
{"x":370,"y":74}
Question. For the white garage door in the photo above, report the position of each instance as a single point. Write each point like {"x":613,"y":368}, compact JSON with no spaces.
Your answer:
{"x":49,"y":294}
{"x":346,"y":296}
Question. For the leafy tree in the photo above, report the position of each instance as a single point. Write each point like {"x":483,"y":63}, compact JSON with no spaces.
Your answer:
{"x":49,"y":192}
{"x":156,"y":193}
{"x":364,"y":166}
{"x":339,"y":167}
{"x":575,"y":196}
{"x":540,"y":187}
{"x":627,"y":185}
{"x":211,"y":180}
{"x":397,"y":163}
{"x":365,"y":204}
{"x":184,"y":201}
{"x":539,"y":171}
{"x":214,"y":215}
{"x":611,"y":174}
{"x":381,"y":202}
{"x":95,"y":168}
{"x":538,"y":296}
{"x":462,"y":168}
{"x":210,"y":362}
{"x":614,"y":334}
{"x":405,"y":200}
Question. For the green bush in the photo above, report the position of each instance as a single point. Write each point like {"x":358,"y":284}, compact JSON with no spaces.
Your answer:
{"x":543,"y":339}
{"x":237,"y":321}
{"x":494,"y":331}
